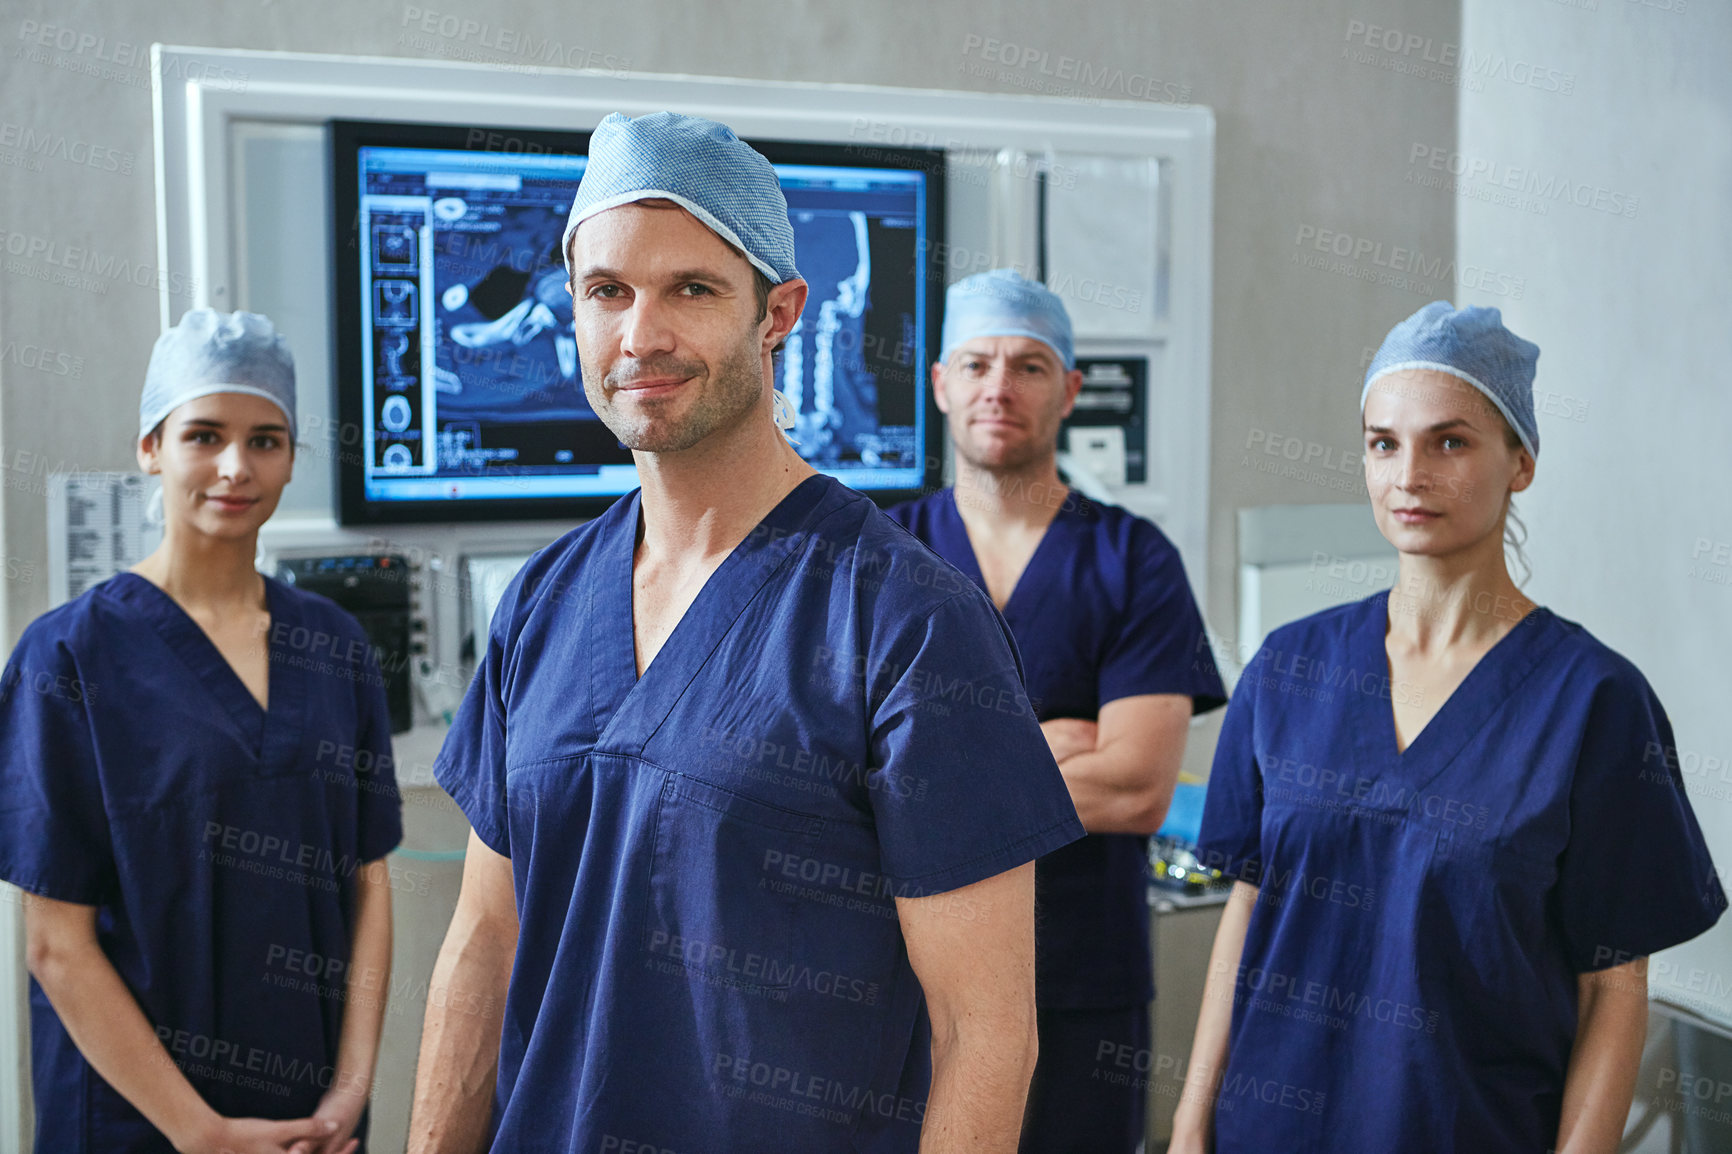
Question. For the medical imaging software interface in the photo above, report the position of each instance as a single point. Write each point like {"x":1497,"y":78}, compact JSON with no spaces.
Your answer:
{"x":471,"y":383}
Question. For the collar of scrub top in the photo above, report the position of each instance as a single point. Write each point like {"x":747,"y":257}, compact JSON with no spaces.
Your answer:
{"x":1004,"y":303}
{"x":272,"y":731}
{"x":1473,"y":345}
{"x":1495,"y":680}
{"x":1039,"y":572}
{"x":704,"y":168}
{"x":632,"y":707}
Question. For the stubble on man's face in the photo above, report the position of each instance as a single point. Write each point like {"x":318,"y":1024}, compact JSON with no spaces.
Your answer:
{"x":721,"y":396}
{"x":668,"y":327}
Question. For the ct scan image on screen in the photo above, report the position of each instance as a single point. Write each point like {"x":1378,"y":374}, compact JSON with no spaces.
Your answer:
{"x":849,"y":362}
{"x":471,"y":388}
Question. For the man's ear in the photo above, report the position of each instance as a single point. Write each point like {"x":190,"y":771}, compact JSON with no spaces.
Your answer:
{"x":783,"y":308}
{"x":1072,"y":387}
{"x":938,"y":396}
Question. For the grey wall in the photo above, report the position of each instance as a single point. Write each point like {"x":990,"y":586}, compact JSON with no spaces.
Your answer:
{"x":1311,"y":143}
{"x":1629,"y":274}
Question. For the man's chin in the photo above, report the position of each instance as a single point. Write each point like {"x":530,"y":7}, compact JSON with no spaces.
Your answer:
{"x":665,"y":433}
{"x":1000,"y":458}
{"x":657,"y":439}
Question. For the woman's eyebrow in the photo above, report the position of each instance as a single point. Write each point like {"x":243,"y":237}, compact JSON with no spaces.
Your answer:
{"x":1437,"y":428}
{"x":213,"y":423}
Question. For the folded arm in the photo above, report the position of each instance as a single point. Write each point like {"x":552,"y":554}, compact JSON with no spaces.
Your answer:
{"x":1121,"y":769}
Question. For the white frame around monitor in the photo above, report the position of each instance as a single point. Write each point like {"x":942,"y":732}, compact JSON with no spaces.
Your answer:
{"x":198,"y":92}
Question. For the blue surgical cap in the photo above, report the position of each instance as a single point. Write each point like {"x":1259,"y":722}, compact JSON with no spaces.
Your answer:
{"x":699,"y":165}
{"x":214,"y":352}
{"x":1003,"y":303}
{"x":1472,"y":344}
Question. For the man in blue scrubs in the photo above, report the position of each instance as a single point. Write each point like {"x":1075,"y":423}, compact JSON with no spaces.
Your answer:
{"x":1114,"y":650}
{"x":754,"y":785}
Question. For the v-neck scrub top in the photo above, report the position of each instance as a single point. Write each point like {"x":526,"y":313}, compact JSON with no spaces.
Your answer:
{"x":1102,"y":611}
{"x":218,"y":840}
{"x":1409,"y":975}
{"x":706,"y":859}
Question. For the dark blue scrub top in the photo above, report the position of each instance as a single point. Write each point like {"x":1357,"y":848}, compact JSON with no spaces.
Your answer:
{"x":218,"y":842}
{"x":1409,"y":977}
{"x":706,"y":859}
{"x":1102,"y":611}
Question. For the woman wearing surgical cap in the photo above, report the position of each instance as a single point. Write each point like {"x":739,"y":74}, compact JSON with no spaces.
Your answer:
{"x":1431,"y":801}
{"x":196,"y":788}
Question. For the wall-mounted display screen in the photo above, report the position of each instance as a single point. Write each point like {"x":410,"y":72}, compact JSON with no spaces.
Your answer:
{"x":458,"y":370}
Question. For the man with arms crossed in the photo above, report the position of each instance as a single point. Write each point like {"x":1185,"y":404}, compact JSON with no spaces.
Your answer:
{"x":1117,"y":662}
{"x":738,"y":879}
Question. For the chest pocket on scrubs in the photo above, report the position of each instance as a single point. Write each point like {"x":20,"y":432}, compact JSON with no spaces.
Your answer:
{"x":718,"y":904}
{"x":1494,"y":903}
